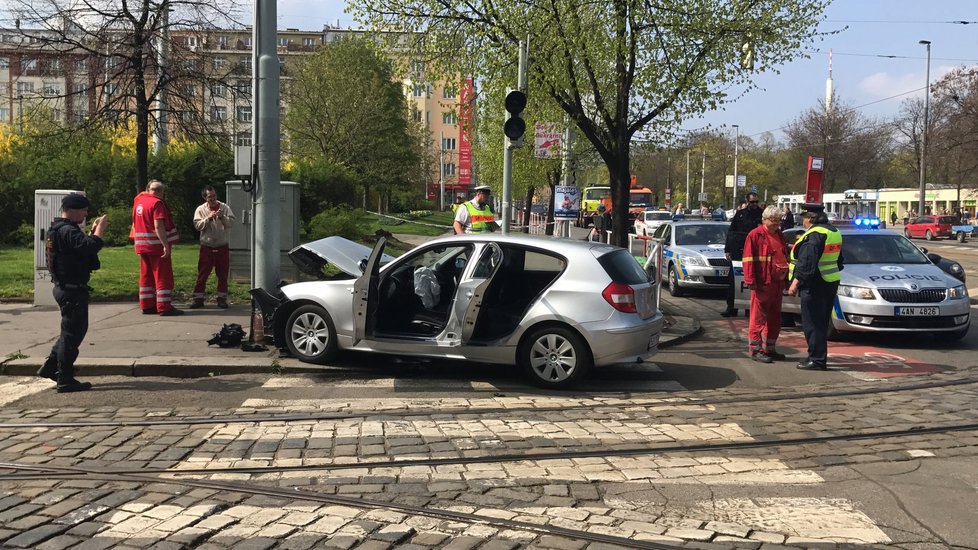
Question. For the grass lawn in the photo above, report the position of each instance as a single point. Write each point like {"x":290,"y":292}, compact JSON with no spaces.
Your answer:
{"x":118,"y":279}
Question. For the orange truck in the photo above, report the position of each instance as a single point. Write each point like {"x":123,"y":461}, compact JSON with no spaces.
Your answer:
{"x":639,"y":200}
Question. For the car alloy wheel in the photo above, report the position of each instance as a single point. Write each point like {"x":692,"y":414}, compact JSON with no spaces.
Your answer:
{"x":906,"y":233}
{"x":310,"y":334}
{"x":929,"y":235}
{"x":554,"y":357}
{"x":674,"y":287}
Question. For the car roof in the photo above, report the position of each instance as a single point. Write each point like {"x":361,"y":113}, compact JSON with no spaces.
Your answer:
{"x":559,"y":245}
{"x":704,"y":221}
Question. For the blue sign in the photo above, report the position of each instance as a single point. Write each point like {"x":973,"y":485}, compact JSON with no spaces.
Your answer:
{"x":753,"y":188}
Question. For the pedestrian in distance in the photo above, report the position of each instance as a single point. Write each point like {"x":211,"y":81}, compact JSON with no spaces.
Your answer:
{"x":814,"y":272}
{"x":787,"y":219}
{"x":893,"y":217}
{"x":744,"y":221}
{"x":71,"y":256}
{"x":154,"y":234}
{"x":601,"y":225}
{"x":475,"y":216}
{"x":213,"y":219}
{"x":765,"y":272}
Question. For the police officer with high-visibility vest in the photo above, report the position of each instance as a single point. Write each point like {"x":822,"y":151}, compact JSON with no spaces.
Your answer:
{"x":814,"y":271}
{"x":475,"y":216}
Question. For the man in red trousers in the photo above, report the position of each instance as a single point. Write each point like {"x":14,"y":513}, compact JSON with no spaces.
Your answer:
{"x":155,"y":234}
{"x":765,"y":272}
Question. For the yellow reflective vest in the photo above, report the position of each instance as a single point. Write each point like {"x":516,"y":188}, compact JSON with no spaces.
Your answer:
{"x":479,"y":220}
{"x":828,"y":264}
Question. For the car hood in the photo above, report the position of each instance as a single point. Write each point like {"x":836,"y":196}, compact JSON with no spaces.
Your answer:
{"x":908,"y":276}
{"x":707,"y":250}
{"x":343,"y":254}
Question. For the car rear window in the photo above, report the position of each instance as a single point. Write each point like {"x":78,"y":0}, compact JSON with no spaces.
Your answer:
{"x":946,"y":219}
{"x":622,"y":268}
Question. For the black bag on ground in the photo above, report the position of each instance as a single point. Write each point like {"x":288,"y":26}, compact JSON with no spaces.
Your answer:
{"x":230,"y":336}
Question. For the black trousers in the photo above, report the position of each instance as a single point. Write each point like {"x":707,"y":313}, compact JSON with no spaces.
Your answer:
{"x":816,"y":314}
{"x":74,"y":326}
{"x":730,"y":286}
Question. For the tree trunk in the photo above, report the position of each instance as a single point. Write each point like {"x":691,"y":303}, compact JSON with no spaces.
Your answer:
{"x":620,"y":178}
{"x":527,"y":209}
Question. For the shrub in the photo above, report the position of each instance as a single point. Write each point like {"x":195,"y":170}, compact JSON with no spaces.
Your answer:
{"x":119,"y":221}
{"x":342,"y":222}
{"x":22,"y":236}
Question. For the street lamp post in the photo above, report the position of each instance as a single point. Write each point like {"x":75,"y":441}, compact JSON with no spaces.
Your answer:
{"x":687,"y":175}
{"x":736,"y":150}
{"x":923,"y":136}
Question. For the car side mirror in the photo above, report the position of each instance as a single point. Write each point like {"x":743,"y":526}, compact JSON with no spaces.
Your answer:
{"x":934,"y":258}
{"x":362,"y":265}
{"x":924,"y":250}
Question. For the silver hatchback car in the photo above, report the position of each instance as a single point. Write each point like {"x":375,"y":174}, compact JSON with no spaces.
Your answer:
{"x":554,"y":307}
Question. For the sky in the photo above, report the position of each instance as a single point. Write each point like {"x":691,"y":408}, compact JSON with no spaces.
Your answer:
{"x":862,"y":77}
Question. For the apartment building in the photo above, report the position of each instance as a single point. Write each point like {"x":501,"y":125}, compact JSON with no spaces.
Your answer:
{"x":212,"y":89}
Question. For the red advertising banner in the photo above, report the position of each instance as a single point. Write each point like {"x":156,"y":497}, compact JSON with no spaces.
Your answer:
{"x":813,"y":180}
{"x":465,"y":130}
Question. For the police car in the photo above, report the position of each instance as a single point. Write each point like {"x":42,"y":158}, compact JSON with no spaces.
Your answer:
{"x":888,"y":285}
{"x":692,"y":255}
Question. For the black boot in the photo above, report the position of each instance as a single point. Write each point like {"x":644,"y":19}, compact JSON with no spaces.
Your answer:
{"x":68,"y":384}
{"x":728,"y":313}
{"x":49,"y":370}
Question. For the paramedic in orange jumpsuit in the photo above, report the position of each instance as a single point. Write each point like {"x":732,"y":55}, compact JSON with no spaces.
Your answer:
{"x":154,"y":234}
{"x":765,"y":272}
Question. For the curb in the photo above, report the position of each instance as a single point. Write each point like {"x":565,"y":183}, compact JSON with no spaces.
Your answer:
{"x":695,"y":330}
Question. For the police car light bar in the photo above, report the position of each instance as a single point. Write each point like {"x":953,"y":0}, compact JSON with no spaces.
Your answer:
{"x":867,"y":222}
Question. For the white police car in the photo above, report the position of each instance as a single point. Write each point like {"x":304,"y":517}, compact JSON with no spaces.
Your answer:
{"x":692,"y":255}
{"x":888,"y":285}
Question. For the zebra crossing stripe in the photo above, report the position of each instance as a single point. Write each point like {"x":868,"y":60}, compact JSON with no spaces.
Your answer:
{"x":22,"y":386}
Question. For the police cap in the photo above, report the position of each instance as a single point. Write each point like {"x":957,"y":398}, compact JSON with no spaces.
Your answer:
{"x":813,"y":208}
{"x":75,"y":200}
{"x":484,"y":188}
{"x":601,"y":208}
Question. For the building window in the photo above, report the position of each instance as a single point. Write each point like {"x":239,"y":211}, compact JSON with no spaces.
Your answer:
{"x":244,"y":113}
{"x":419,"y":90}
{"x":4,"y":114}
{"x":245,"y":63}
{"x":243,"y":88}
{"x":417,"y":67}
{"x":417,"y":116}
{"x":187,"y":116}
{"x":219,"y":113}
{"x":79,"y":88}
{"x":189,"y":90}
{"x":244,"y":139}
{"x":25,"y":88}
{"x":282,"y":41}
{"x":448,"y":144}
{"x":308,"y":41}
{"x":222,"y":42}
{"x":449,"y":169}
{"x":29,"y":64}
{"x":111,"y":89}
{"x":190,"y":41}
{"x":51,"y":89}
{"x":4,"y":63}
{"x":54,"y":67}
{"x":449,"y":93}
{"x":79,"y":114}
{"x":220,"y":62}
{"x":247,"y":41}
{"x":218,"y":90}
{"x":449,"y":117}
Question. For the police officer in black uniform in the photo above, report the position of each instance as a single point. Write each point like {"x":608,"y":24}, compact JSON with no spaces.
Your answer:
{"x":744,"y":221}
{"x":816,"y":284}
{"x":71,"y":258}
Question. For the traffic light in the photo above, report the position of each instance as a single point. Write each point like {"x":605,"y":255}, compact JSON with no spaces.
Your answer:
{"x":515,"y":126}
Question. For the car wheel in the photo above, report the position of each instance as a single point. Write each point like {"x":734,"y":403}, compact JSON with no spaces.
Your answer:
{"x":906,"y":233}
{"x":674,"y":287}
{"x":310,"y":334}
{"x":554,"y":357}
{"x":929,"y":236}
{"x":961,"y":237}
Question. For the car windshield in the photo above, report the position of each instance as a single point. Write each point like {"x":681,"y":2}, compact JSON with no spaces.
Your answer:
{"x":639,"y":199}
{"x":701,"y":234}
{"x":879,"y":248}
{"x":657,"y":216}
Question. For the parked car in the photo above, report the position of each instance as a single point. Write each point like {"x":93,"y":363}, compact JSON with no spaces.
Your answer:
{"x":888,"y":285}
{"x":554,"y":307}
{"x":692,"y":255}
{"x":930,"y":227}
{"x":647,"y":223}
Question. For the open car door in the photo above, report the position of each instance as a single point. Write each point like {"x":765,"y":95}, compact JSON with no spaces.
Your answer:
{"x":472,"y":291}
{"x":366,"y":294}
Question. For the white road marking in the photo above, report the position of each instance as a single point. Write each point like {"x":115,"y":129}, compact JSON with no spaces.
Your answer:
{"x":919,"y":453}
{"x":22,"y":386}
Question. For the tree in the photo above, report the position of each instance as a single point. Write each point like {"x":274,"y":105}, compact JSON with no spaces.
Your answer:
{"x":346,"y":106}
{"x":614,"y":66}
{"x":954,"y":136}
{"x":113,"y":44}
{"x":854,"y":146}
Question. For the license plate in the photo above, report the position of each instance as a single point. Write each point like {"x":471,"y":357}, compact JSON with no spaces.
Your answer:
{"x":918,"y":311}
{"x":653,"y":341}
{"x":723,"y":272}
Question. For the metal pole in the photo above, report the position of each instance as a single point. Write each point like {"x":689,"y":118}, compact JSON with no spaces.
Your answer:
{"x":703,"y":173}
{"x":507,"y":152}
{"x":923,"y":137}
{"x":162,"y":57}
{"x":736,"y":149}
{"x":567,"y":167}
{"x":267,"y":131}
{"x":441,"y":173}
{"x":687,"y":175}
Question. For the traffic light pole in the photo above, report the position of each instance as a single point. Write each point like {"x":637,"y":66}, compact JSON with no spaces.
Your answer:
{"x":508,"y":149}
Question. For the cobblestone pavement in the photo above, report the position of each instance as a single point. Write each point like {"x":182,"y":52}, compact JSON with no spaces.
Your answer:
{"x":684,"y":470}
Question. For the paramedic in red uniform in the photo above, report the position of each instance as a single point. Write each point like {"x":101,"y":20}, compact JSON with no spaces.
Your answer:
{"x":766,"y":273}
{"x":155,"y":234}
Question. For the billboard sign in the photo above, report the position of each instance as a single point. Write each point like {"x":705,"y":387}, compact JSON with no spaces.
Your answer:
{"x":548,"y":139}
{"x":567,"y":202}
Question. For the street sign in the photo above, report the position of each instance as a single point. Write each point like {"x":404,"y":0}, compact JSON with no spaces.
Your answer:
{"x":728,"y":181}
{"x":741,"y":181}
{"x":753,"y":188}
{"x":704,"y":197}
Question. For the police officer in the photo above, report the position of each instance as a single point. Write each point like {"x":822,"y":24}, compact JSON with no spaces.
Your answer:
{"x":475,"y":216}
{"x":744,"y":221}
{"x":71,"y":257}
{"x":814,"y":271}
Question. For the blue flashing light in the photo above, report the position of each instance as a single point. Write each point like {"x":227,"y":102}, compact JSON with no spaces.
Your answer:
{"x":869,"y":223}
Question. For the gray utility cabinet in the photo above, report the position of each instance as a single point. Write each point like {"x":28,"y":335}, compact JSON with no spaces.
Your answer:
{"x":240,"y":202}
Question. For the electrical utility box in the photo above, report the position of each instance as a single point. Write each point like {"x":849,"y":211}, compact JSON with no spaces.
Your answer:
{"x":47,"y":206}
{"x":240,"y":202}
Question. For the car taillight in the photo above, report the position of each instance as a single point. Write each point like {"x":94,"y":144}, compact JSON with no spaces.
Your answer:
{"x":620,"y":296}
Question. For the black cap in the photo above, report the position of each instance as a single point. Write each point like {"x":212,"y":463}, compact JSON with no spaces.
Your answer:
{"x":813,"y":208}
{"x":75,"y":200}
